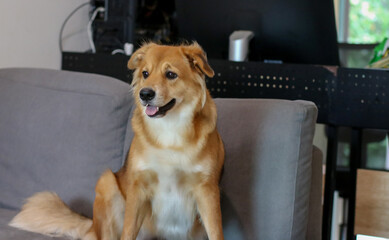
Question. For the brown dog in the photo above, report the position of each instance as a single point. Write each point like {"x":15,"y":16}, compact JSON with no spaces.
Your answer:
{"x":168,"y":187}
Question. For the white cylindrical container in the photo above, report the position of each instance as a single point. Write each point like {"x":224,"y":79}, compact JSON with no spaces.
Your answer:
{"x":239,"y":45}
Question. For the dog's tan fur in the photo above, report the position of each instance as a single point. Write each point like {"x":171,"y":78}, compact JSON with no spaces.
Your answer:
{"x":168,"y":187}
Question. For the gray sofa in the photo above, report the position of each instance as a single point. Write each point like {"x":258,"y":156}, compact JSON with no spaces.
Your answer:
{"x":60,"y":130}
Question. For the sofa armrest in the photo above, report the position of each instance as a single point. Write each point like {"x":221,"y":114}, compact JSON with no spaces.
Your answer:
{"x":316,"y":197}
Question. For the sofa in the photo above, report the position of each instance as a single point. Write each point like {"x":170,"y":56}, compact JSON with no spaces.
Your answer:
{"x":60,"y":130}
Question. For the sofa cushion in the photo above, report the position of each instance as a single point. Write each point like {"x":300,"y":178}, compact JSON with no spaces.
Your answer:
{"x":59,"y":131}
{"x":267,"y":172}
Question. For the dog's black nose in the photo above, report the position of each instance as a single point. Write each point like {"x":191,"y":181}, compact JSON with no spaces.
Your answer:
{"x":147,"y":94}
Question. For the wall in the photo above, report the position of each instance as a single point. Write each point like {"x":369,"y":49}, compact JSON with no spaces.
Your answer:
{"x":29,"y":31}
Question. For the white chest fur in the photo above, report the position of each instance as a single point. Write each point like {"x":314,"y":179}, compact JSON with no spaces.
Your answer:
{"x":173,"y":205}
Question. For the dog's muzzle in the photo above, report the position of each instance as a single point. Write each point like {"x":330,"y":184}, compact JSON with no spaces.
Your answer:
{"x":147,"y":95}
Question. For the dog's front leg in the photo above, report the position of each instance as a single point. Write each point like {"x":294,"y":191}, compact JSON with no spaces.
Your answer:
{"x":208,"y":204}
{"x":134,"y":213}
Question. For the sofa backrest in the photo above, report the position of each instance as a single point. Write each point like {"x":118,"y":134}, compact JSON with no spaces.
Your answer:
{"x":266,"y":184}
{"x":59,"y":131}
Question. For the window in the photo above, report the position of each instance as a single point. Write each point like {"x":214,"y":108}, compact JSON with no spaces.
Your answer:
{"x":368,"y":21}
{"x":361,"y":25}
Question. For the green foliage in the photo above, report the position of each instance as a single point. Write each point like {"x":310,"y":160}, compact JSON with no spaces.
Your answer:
{"x":376,"y":154}
{"x":368,"y":21}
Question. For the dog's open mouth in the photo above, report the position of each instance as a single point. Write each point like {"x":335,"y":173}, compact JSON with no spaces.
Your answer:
{"x":153,"y":111}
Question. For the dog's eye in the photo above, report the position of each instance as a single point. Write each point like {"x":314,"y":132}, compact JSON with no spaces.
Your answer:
{"x":171,"y":75}
{"x":145,"y":74}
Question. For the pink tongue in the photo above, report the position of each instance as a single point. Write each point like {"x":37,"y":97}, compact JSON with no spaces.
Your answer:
{"x":151,"y":110}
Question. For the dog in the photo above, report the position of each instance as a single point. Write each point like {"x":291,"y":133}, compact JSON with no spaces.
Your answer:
{"x":168,"y":187}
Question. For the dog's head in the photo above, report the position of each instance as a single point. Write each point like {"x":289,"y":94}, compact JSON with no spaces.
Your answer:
{"x":167,"y":78}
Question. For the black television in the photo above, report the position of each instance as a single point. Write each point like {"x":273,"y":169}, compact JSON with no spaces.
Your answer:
{"x":291,"y":31}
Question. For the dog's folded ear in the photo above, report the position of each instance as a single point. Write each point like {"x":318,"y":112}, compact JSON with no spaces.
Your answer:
{"x":138,"y":55}
{"x":198,"y":59}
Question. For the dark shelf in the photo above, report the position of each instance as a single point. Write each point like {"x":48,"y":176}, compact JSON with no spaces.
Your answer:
{"x":344,"y":96}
